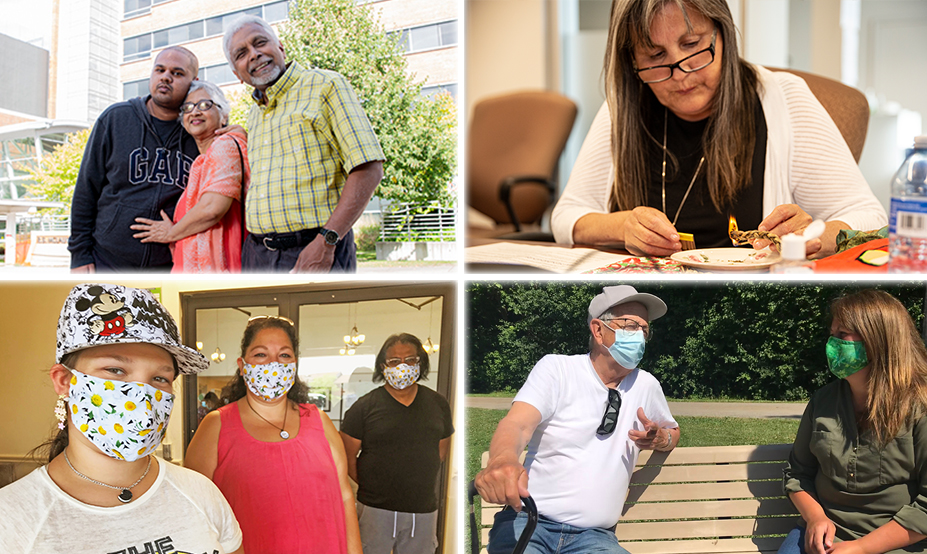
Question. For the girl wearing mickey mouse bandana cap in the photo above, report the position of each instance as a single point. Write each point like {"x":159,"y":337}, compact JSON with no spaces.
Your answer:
{"x":102,"y":490}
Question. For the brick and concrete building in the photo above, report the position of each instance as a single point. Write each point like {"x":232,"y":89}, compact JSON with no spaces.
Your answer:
{"x":429,"y":29}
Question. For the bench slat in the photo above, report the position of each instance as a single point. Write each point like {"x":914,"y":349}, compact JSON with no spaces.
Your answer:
{"x":694,"y":474}
{"x":685,"y":510}
{"x":725,"y":508}
{"x":717,"y":454}
{"x":726,"y":546}
{"x":673,"y":486}
{"x":704,"y":491}
{"x":674,"y":530}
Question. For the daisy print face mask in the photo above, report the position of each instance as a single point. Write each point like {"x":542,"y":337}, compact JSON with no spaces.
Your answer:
{"x":402,"y":376}
{"x":270,"y":381}
{"x":125,"y":420}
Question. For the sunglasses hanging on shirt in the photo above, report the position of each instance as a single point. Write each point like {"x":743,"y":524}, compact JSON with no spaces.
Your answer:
{"x":610,"y":417}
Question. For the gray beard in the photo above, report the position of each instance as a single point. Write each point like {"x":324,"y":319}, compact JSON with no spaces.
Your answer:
{"x":270,"y":78}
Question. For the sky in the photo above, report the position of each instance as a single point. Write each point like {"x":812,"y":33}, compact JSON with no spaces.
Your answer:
{"x":27,"y":20}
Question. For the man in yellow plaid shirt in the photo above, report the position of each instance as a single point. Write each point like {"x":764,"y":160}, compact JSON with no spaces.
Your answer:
{"x":315,"y":160}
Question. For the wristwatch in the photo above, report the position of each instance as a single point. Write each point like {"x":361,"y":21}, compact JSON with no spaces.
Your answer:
{"x":331,"y":237}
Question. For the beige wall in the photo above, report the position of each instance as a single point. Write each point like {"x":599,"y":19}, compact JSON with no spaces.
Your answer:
{"x":507,"y":47}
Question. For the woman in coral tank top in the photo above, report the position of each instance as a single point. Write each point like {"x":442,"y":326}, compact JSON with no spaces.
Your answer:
{"x":276,"y":457}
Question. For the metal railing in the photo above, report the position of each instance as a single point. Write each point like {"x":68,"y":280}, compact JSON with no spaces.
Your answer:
{"x":419,"y":223}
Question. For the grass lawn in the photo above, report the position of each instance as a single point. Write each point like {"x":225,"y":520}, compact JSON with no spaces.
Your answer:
{"x":366,"y":256}
{"x":696,"y":431}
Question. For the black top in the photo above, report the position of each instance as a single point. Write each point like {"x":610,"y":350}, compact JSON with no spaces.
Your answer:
{"x":398,"y":465}
{"x":699,"y":216}
{"x":134,"y":165}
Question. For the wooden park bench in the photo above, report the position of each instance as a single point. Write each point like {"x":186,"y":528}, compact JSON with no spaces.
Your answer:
{"x":714,"y":499}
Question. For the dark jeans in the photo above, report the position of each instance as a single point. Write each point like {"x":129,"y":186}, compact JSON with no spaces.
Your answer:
{"x":256,"y":258}
{"x":794,"y":542}
{"x":549,"y":537}
{"x":102,"y":264}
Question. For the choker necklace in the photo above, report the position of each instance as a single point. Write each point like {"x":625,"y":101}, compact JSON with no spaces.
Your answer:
{"x":283,"y":434}
{"x":126,"y":495}
{"x":663,"y":175}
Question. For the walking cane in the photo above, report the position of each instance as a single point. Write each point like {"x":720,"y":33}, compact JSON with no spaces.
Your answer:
{"x":530,"y":507}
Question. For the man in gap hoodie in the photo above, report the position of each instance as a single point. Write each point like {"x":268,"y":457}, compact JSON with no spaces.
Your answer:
{"x":135,"y":165}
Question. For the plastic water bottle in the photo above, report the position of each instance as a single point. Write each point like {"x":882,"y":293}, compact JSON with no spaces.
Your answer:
{"x":907,"y":220}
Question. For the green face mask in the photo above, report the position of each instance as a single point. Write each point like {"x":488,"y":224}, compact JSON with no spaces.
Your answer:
{"x":845,"y":357}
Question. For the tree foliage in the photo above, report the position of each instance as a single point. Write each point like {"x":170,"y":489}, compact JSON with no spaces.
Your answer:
{"x":418,"y":134}
{"x":56,"y":175}
{"x":745,"y":340}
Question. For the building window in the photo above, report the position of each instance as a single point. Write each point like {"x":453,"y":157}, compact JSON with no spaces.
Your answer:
{"x":277,"y":11}
{"x":133,"y":8}
{"x":140,"y":46}
{"x":220,"y":74}
{"x":136,"y":47}
{"x":134,"y":88}
{"x":431,"y":90}
{"x":428,"y":37}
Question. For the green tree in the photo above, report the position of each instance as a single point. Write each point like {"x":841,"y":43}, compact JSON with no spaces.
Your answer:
{"x":743,"y":340}
{"x":56,"y":175}
{"x":418,"y":134}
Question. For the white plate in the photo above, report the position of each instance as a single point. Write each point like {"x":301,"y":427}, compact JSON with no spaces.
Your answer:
{"x":727,"y":259}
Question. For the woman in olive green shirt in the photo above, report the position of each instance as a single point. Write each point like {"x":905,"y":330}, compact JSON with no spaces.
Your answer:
{"x":858,"y":469}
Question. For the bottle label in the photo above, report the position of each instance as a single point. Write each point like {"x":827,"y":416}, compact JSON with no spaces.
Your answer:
{"x":908,"y":218}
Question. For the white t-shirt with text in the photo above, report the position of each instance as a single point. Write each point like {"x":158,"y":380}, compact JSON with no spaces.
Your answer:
{"x":182,"y":512}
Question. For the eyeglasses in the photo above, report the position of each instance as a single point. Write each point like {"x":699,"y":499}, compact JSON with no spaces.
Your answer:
{"x":202,"y":105}
{"x":280,"y":317}
{"x":630,"y":326}
{"x":393,"y":362}
{"x":689,"y":64}
{"x":610,"y":417}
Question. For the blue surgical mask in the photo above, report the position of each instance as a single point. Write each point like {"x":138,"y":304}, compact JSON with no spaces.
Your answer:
{"x":628,"y":348}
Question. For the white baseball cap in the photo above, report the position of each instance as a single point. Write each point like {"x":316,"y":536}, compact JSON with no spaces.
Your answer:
{"x":622,"y":294}
{"x":98,"y":314}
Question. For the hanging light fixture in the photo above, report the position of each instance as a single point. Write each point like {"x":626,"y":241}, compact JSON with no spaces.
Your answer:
{"x":355,"y":339}
{"x":428,"y":346}
{"x":218,"y":356}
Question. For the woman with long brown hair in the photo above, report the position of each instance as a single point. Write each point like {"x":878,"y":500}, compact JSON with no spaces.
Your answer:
{"x":858,"y":469}
{"x":691,"y":134}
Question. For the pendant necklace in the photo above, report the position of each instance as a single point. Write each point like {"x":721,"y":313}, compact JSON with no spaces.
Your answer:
{"x":663,"y":175}
{"x":126,"y":495}
{"x":283,"y":434}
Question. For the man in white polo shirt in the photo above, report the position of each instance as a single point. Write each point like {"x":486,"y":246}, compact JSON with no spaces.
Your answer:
{"x":587,"y":417}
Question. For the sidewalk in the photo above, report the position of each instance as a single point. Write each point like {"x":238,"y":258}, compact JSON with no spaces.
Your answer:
{"x":764,"y":410}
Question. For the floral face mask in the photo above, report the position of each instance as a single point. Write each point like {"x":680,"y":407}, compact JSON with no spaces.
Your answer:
{"x":270,"y":381}
{"x":402,"y":376}
{"x":125,"y":420}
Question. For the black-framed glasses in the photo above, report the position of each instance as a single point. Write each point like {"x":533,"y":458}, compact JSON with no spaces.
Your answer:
{"x":610,"y":417}
{"x":393,"y":362}
{"x":202,"y":105}
{"x":630,"y":326}
{"x":689,"y":64}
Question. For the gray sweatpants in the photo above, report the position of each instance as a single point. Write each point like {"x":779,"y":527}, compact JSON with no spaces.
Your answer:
{"x":385,"y":531}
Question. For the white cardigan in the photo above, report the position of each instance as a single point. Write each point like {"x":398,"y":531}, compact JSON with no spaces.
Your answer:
{"x":807,"y":163}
